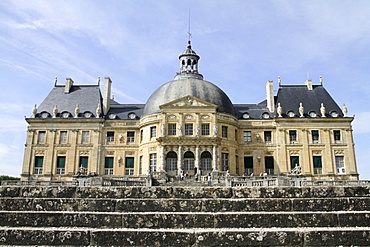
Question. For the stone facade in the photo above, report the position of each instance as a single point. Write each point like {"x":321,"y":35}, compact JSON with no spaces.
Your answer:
{"x":192,"y":128}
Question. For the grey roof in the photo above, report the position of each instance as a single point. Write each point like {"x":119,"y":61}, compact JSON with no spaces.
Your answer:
{"x":122,"y":111}
{"x":254,"y":111}
{"x":86,"y":96}
{"x":290,"y":96}
{"x":198,"y":88}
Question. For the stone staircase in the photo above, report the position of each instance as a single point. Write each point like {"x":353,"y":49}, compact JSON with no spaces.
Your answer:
{"x":185,"y":216}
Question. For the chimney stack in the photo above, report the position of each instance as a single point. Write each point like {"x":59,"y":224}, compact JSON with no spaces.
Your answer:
{"x":107,"y":92}
{"x":69,"y":83}
{"x":308,"y":83}
{"x":270,"y":96}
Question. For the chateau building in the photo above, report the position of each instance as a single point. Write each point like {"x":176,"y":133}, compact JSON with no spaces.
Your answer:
{"x":189,"y":125}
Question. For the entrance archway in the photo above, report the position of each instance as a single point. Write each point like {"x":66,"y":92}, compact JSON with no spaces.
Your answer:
{"x":189,"y":162}
{"x":205,"y":162}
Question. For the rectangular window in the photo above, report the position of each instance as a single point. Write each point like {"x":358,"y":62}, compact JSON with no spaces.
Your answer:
{"x":317,"y":165}
{"x":189,"y":129}
{"x":108,"y":166}
{"x":248,"y":165}
{"x":171,"y":129}
{"x":267,"y":136}
{"x":336,"y":135}
{"x":339,"y":163}
{"x":294,"y":161}
{"x":224,"y":131}
{"x":110,"y":136}
{"x":205,"y":129}
{"x":247,"y":136}
{"x":315,"y":136}
{"x":63,"y":137}
{"x":292,"y":136}
{"x":130,"y":136}
{"x":41,"y":137}
{"x":84,"y":161}
{"x":153,"y":162}
{"x":269,"y":165}
{"x":153,"y":132}
{"x":129,"y":166}
{"x":85,"y":137}
{"x":141,"y":136}
{"x":39,"y":162}
{"x":225,"y":161}
{"x":61,"y":164}
{"x":141,"y":164}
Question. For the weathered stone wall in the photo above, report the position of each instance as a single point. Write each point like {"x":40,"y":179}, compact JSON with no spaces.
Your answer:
{"x":185,"y":216}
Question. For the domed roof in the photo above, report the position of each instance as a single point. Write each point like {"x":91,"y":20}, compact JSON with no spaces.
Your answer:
{"x":190,"y":86}
{"x":189,"y":82}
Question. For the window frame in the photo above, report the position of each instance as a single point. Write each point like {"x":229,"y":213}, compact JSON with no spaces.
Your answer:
{"x":247,"y":136}
{"x":130,"y":136}
{"x":171,"y":129}
{"x":189,"y":129}
{"x":224,"y":130}
{"x":267,"y":136}
{"x":85,"y":136}
{"x":205,"y":129}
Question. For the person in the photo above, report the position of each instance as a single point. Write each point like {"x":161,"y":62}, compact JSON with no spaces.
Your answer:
{"x":187,"y":174}
{"x":196,"y":177}
{"x":209,"y":179}
{"x":182,"y":175}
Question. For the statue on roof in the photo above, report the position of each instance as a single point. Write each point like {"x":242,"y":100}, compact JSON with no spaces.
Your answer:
{"x":279,"y":110}
{"x":301,"y":110}
{"x":345,"y":111}
{"x":322,"y":110}
{"x":34,"y":111}
{"x":98,"y":111}
{"x":77,"y":110}
{"x":55,"y":111}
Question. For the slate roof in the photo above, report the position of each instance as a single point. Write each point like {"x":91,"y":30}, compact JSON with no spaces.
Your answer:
{"x":86,"y":96}
{"x":255,"y":111}
{"x":289,"y":97}
{"x":122,"y":111}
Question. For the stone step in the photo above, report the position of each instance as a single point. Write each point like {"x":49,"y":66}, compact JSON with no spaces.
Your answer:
{"x":317,"y":236}
{"x":180,"y":220}
{"x":185,"y":205}
{"x":183,"y":192}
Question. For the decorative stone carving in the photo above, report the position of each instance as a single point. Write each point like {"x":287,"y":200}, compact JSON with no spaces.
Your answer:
{"x":171,"y":117}
{"x":55,"y":111}
{"x":205,"y":117}
{"x":163,"y":130}
{"x":180,"y":130}
{"x":188,"y":117}
{"x":40,"y":152}
{"x":344,"y":110}
{"x":110,"y":152}
{"x":77,"y":111}
{"x":197,"y":129}
{"x":215,"y":130}
{"x":301,"y":110}
{"x":98,"y":111}
{"x":279,"y":110}
{"x":316,"y":151}
{"x":294,"y":152}
{"x":322,"y":110}
{"x":34,"y":111}
{"x":338,"y":152}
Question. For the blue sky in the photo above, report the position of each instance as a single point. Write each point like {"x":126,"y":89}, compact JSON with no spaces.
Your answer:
{"x":242,"y":44}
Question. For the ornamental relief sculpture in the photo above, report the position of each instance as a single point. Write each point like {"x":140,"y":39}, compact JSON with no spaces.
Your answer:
{"x":338,"y":151}
{"x":294,"y":152}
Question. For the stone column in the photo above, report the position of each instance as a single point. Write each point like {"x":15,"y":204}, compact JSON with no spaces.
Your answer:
{"x":179,"y":159}
{"x":214,"y":158}
{"x":307,"y":169}
{"x":27,"y":160}
{"x":162,"y":159}
{"x":196,"y":162}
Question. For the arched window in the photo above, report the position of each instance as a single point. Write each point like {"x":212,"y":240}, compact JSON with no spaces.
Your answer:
{"x":188,"y":161}
{"x":171,"y":161}
{"x":206,"y":161}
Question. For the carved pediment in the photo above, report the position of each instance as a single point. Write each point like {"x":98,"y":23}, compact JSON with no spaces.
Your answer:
{"x":187,"y":101}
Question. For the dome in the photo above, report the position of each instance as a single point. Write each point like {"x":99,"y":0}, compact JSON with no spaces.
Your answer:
{"x":189,"y":86}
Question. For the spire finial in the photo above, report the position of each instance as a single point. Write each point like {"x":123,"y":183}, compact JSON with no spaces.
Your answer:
{"x":189,"y":33}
